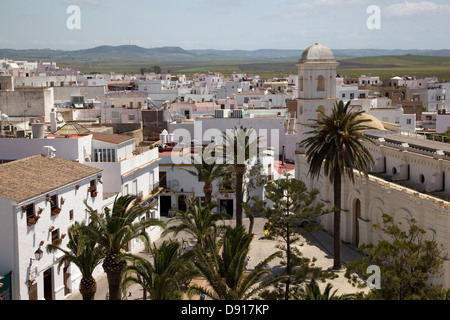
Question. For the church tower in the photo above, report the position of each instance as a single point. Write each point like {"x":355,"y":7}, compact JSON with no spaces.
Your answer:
{"x":316,"y":84}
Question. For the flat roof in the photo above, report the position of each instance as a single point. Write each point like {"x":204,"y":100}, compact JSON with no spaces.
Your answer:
{"x":111,"y":138}
{"x":415,"y":143}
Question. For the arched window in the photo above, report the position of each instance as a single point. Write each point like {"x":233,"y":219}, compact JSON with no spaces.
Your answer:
{"x":320,"y":83}
{"x":301,"y":83}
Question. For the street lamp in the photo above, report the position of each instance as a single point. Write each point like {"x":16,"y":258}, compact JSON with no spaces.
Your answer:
{"x":37,"y":254}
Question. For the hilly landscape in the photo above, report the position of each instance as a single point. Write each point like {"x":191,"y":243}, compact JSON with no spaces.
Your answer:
{"x":265,"y":62}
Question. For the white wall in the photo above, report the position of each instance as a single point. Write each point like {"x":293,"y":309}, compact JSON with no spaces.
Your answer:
{"x":70,"y":149}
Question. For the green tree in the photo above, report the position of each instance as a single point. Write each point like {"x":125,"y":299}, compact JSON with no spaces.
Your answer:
{"x":207,"y":171}
{"x":113,"y":230}
{"x":255,"y":178}
{"x":162,"y":276}
{"x":85,"y":254}
{"x":198,"y":221}
{"x":241,"y":146}
{"x":224,"y":268}
{"x":291,"y":203}
{"x":336,"y":145}
{"x":407,"y":259}
{"x":312,"y":291}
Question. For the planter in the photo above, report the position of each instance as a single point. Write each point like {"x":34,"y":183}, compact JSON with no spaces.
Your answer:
{"x":32,"y":220}
{"x":57,"y":242}
{"x":94,"y":194}
{"x":56,"y":211}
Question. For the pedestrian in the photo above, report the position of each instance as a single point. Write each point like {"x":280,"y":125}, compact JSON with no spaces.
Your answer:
{"x":266,"y":230}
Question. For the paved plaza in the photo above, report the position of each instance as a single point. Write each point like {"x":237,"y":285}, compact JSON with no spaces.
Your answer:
{"x":319,"y":245}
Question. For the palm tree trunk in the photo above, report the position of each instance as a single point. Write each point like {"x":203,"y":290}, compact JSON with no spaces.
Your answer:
{"x":88,"y":288}
{"x":337,"y":220}
{"x":240,"y":170}
{"x":207,"y":190}
{"x":114,"y":271}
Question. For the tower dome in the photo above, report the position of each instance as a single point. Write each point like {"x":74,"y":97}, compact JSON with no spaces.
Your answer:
{"x":317,"y":53}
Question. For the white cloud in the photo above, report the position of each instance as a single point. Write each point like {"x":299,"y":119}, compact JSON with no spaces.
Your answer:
{"x":416,"y":9}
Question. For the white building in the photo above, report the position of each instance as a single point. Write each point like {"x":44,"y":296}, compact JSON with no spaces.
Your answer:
{"x":40,"y":198}
{"x":410,"y":179}
{"x":178,"y":184}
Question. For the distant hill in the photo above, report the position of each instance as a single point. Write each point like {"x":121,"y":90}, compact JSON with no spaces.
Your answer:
{"x":350,"y":53}
{"x":136,"y":53}
{"x":101,"y":53}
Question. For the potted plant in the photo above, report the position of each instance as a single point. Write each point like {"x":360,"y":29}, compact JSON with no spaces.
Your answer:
{"x":62,"y":200}
{"x":32,"y":220}
{"x":94,"y":194}
{"x":40,"y":210}
{"x":56,"y":211}
{"x":57,"y":242}
{"x":51,"y":228}
{"x":77,"y":187}
{"x":24,"y":208}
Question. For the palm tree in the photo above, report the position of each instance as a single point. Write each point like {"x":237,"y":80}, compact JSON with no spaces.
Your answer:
{"x":336,"y":144}
{"x":207,"y":171}
{"x":224,"y":268}
{"x":85,"y":254}
{"x":312,"y":292}
{"x":163,"y":275}
{"x":113,"y":230}
{"x":243,"y":148}
{"x":198,"y":221}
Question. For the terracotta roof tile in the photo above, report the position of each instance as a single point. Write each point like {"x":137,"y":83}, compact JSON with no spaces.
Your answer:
{"x":111,"y":138}
{"x":30,"y":177}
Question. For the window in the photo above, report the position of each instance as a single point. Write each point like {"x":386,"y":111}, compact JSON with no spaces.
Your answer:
{"x":71,"y":215}
{"x":104,"y":155}
{"x":53,"y":203}
{"x":422,"y":178}
{"x":352,"y":96}
{"x":163,"y":179}
{"x":131,"y":117}
{"x":343,"y":95}
{"x":408,"y":121}
{"x":320,"y":83}
{"x":93,"y":188}
{"x":55,"y":237}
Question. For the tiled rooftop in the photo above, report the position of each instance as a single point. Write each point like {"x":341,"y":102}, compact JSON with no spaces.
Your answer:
{"x":30,"y":177}
{"x":111,"y":138}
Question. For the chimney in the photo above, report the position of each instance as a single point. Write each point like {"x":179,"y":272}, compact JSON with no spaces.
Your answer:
{"x":53,"y":127}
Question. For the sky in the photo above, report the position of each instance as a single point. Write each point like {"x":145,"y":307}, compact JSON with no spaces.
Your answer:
{"x":226,"y":24}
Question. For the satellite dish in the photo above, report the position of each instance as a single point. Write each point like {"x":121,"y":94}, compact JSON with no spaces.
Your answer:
{"x":4,"y":117}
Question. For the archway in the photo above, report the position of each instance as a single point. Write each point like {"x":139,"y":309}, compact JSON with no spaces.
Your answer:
{"x":320,"y":83}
